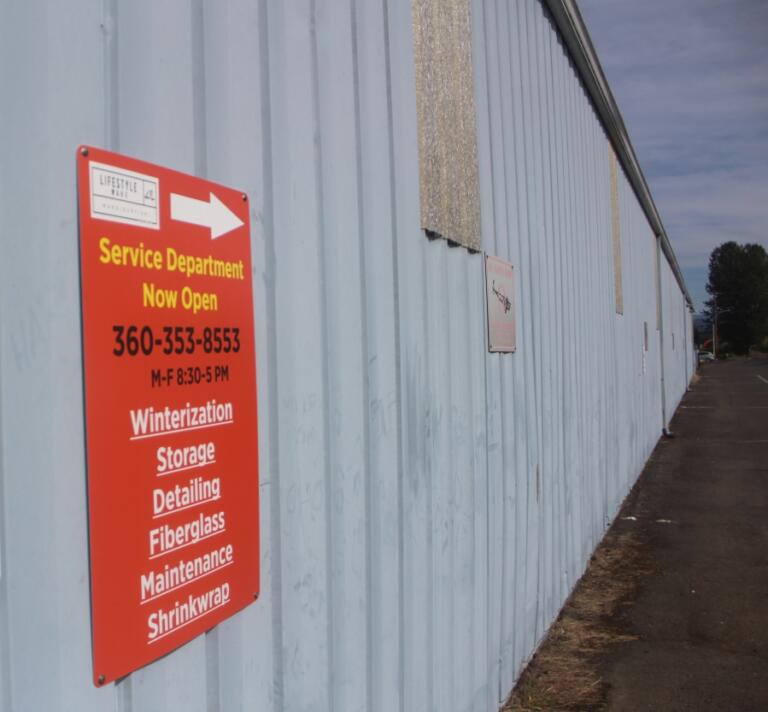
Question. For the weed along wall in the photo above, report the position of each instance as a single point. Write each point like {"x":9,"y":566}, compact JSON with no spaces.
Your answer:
{"x":390,"y":500}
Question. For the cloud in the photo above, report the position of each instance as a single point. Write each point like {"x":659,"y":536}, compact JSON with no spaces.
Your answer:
{"x":691,"y":80}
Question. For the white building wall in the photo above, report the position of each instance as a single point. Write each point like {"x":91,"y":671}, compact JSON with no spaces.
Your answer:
{"x":678,"y":341}
{"x":426,"y":506}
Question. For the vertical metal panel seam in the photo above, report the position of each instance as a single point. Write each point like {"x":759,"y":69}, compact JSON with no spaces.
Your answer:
{"x":574,"y":566}
{"x":412,"y":253}
{"x":517,"y":203}
{"x":322,"y":239}
{"x":581,"y":334}
{"x":365,"y":385}
{"x":398,"y":353}
{"x":111,"y":38}
{"x":501,"y":385}
{"x":552,"y":317}
{"x":660,"y":297}
{"x":455,"y":403}
{"x":492,"y":376}
{"x":590,"y":227}
{"x":539,"y":348}
{"x":199,"y":128}
{"x":593,"y":230}
{"x":529,"y":351}
{"x":546,"y":469}
{"x":429,"y":471}
{"x":527,"y":307}
{"x":509,"y":475}
{"x":577,"y":217}
{"x":431,"y":349}
{"x":481,"y":668}
{"x":570,"y":317}
{"x":587,"y":392}
{"x":482,"y":671}
{"x":561,"y":280}
{"x":450,"y":489}
{"x":599,"y":325}
{"x":565,"y":324}
{"x":111,"y":93}
{"x":557,"y":346}
{"x":514,"y":447}
{"x":574,"y":464}
{"x":573,"y":533}
{"x":6,"y":696}
{"x":491,"y":655}
{"x":509,"y":479}
{"x":548,"y":435}
{"x":475,"y":350}
{"x":274,"y":363}
{"x":606,"y":313}
{"x":500,"y":184}
{"x":556,"y":394}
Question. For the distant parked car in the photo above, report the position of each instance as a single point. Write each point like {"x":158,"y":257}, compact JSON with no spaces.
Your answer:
{"x":705,"y":356}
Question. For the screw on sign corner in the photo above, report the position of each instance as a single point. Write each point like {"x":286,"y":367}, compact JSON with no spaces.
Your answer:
{"x":101,"y":678}
{"x":245,"y":198}
{"x":83,"y":151}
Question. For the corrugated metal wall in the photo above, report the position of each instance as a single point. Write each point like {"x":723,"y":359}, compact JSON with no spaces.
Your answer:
{"x":426,"y":506}
{"x":679,"y":354}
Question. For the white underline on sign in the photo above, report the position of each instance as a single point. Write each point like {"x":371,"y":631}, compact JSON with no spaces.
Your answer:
{"x":191,"y":620}
{"x":188,"y":467}
{"x":192,"y":580}
{"x":762,"y":379}
{"x":184,"y":546}
{"x":181,"y":430}
{"x":189,"y":506}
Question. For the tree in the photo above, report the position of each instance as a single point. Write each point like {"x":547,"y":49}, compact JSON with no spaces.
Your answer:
{"x":738,"y":284}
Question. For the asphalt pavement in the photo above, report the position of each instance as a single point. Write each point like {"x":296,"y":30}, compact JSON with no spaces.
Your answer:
{"x":698,"y":623}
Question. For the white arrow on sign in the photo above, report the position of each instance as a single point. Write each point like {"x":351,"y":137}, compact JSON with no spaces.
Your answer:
{"x":210,"y":213}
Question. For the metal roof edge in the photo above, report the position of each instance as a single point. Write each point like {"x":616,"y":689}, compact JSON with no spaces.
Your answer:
{"x":570,"y":23}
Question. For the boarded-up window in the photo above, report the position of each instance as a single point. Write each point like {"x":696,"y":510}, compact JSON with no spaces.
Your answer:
{"x":445,"y":103}
{"x":616,"y":230}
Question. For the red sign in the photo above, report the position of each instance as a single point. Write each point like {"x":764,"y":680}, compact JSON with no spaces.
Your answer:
{"x":170,"y":407}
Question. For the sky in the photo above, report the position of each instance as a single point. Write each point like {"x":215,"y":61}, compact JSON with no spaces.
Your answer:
{"x":691,"y":81}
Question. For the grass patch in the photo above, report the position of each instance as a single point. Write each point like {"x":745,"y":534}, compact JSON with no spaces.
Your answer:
{"x":564,"y":672}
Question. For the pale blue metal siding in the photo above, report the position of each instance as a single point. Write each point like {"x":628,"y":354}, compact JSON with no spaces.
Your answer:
{"x":426,"y":506}
{"x":580,"y":412}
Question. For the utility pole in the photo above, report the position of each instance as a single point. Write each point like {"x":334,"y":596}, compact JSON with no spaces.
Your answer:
{"x":714,"y":328}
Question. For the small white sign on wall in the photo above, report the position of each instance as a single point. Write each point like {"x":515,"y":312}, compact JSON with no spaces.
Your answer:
{"x":500,"y":305}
